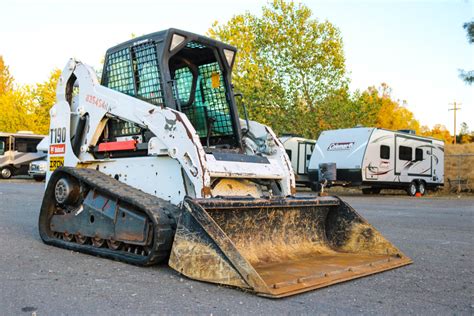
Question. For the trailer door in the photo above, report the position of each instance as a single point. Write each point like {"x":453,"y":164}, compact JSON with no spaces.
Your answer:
{"x":413,"y":157}
{"x":304,"y":155}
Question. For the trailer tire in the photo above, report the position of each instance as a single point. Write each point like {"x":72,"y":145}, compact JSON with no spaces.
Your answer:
{"x":421,"y":188}
{"x":6,"y":173}
{"x":412,"y":188}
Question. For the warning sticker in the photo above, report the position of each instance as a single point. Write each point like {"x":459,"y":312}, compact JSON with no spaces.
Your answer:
{"x":57,"y":149}
{"x":215,"y":80}
{"x":55,"y":162}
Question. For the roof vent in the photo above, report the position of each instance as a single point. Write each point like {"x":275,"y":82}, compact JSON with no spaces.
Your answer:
{"x":407,"y":131}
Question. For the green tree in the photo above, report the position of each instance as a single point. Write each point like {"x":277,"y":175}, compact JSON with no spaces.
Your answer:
{"x":464,"y":134}
{"x":288,"y":63}
{"x":468,"y":76}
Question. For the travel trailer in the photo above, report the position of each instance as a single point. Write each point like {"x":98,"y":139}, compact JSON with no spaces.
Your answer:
{"x":299,"y":151}
{"x":376,"y":159}
{"x":17,"y":151}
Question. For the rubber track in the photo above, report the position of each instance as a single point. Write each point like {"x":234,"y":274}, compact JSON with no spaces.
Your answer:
{"x":161,"y":213}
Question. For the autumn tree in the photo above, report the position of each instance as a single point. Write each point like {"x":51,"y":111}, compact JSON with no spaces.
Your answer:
{"x":6,"y":79}
{"x":438,"y":131}
{"x":288,"y":62}
{"x":25,"y":107}
{"x":13,"y":103}
{"x":43,"y":97}
{"x":376,"y":107}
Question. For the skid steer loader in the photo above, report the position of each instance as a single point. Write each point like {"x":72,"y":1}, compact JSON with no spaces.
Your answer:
{"x":154,"y":164}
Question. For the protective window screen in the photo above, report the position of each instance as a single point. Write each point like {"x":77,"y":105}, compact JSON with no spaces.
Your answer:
{"x":384,"y":152}
{"x":123,"y":128}
{"x":405,"y":153}
{"x":147,"y":73}
{"x":184,"y":82}
{"x":118,"y":72}
{"x":210,"y":106}
{"x":134,"y":71}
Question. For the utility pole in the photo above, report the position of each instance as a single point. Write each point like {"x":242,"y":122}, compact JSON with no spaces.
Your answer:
{"x":454,"y":109}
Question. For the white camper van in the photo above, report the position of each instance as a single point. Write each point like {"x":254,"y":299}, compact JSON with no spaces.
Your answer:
{"x":17,"y":150}
{"x":376,"y":159}
{"x":299,"y":150}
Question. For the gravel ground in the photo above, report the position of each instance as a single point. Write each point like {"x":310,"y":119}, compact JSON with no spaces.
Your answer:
{"x":437,"y":233}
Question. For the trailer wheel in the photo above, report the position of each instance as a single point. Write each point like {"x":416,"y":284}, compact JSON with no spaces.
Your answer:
{"x":422,"y":187}
{"x":412,"y":189}
{"x":6,"y":173}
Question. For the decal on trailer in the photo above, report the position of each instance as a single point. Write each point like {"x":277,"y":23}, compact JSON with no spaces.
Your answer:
{"x":55,"y":162}
{"x":340,"y":146}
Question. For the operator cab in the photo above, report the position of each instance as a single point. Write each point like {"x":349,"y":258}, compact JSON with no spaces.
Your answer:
{"x":183,"y":71}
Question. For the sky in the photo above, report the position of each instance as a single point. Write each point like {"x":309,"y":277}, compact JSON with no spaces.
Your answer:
{"x":416,"y":47}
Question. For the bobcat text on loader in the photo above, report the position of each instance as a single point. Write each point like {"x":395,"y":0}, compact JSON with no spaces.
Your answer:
{"x":153,"y":164}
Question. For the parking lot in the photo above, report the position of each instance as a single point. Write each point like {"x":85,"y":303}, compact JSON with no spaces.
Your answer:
{"x":436,"y":232}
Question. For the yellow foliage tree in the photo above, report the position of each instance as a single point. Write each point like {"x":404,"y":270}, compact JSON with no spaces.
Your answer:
{"x":14,"y":115}
{"x":43,"y":97}
{"x":385,"y":112}
{"x":27,"y":107}
{"x":6,"y":79}
{"x":438,"y":131}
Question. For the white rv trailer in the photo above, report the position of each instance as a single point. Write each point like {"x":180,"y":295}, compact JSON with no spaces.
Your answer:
{"x":299,"y":151}
{"x":376,"y":159}
{"x":17,"y":150}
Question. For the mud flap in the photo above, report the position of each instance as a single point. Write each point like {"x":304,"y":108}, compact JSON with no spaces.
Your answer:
{"x":278,"y":247}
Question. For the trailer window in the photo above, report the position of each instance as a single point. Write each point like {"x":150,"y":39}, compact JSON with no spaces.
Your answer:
{"x":288,"y":152}
{"x":418,"y":154}
{"x":2,"y":147}
{"x":384,"y":152}
{"x":405,"y":153}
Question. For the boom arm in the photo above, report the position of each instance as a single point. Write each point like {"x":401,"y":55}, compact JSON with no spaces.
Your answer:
{"x":174,"y":134}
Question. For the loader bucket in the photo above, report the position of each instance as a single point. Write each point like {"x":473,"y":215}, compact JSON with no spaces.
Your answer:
{"x":278,"y":247}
